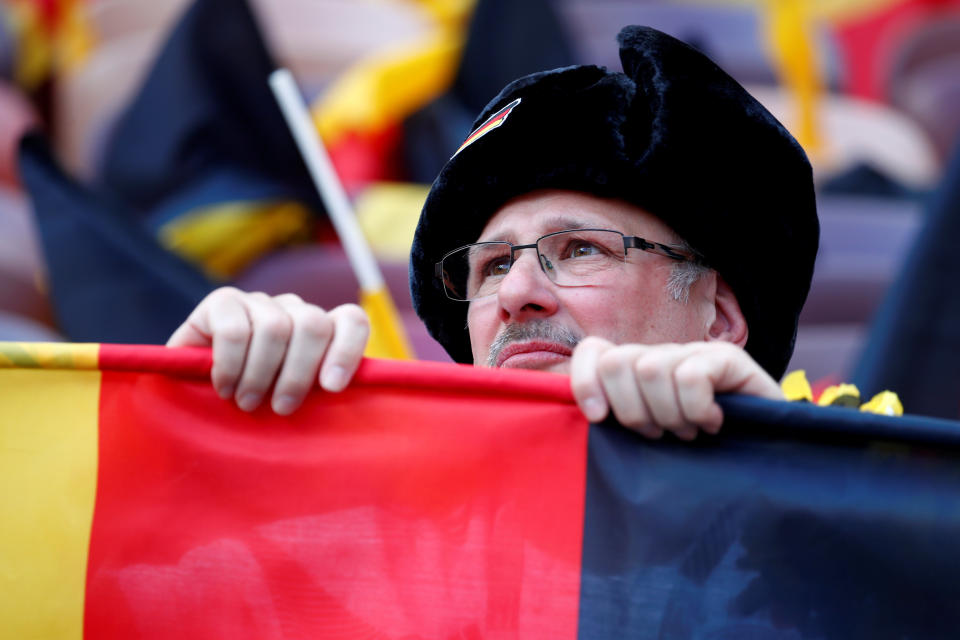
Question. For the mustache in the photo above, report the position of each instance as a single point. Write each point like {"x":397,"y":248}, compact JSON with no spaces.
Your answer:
{"x":533,"y":330}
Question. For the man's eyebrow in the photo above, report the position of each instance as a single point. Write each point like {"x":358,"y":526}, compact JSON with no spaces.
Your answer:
{"x":560,"y":223}
{"x":556,"y":223}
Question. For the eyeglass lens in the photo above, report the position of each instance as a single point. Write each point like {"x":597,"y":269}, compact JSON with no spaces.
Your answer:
{"x":569,"y":258}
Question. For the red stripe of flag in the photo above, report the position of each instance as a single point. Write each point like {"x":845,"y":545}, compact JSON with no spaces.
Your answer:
{"x":194,"y":362}
{"x":417,"y":502}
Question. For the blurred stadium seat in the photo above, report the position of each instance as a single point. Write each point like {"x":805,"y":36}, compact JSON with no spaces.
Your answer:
{"x":863,"y":244}
{"x":21,"y":267}
{"x":17,"y":328}
{"x":862,"y":132}
{"x":319,"y":39}
{"x":89,"y":100}
{"x":113,"y":19}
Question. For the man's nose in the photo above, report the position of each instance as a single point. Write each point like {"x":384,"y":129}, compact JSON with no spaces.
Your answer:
{"x":526,"y":290}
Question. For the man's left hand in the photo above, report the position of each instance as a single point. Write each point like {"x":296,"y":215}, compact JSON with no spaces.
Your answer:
{"x":665,"y":387}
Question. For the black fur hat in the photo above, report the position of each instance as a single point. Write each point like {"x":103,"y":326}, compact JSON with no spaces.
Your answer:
{"x":674,"y":135}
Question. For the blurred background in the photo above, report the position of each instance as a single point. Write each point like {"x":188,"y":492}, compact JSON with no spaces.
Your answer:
{"x":163,"y":167}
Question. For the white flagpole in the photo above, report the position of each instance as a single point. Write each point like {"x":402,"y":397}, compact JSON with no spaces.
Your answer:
{"x":326,"y":180}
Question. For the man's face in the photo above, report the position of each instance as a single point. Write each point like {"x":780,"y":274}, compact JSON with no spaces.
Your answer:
{"x":532,"y":323}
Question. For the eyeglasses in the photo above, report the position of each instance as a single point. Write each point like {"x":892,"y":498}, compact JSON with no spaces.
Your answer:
{"x":570,"y":258}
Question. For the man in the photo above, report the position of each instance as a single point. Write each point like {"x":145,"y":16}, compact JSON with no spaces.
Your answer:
{"x":652,"y":233}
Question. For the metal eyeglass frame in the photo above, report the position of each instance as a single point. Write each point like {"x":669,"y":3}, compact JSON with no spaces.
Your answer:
{"x":673,"y":252}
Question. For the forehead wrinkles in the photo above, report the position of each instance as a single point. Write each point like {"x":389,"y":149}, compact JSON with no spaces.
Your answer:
{"x":546,"y":225}
{"x":534,"y":214}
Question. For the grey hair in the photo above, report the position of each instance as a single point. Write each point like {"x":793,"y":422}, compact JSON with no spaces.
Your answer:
{"x":684,"y":275}
{"x":535,"y":329}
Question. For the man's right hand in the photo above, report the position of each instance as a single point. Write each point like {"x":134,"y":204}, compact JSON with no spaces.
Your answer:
{"x":652,"y":388}
{"x":258,"y":340}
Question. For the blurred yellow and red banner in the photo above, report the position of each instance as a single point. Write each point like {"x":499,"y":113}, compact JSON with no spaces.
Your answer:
{"x":52,"y":35}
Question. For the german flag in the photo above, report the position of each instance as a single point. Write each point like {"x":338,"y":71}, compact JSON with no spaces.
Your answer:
{"x":440,"y":501}
{"x":491,"y":123}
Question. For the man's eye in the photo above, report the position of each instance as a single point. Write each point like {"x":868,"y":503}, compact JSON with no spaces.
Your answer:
{"x":582,"y":249}
{"x":496,"y":267}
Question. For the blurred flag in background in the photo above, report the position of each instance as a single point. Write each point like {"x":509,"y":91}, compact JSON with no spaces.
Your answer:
{"x":52,"y":36}
{"x":914,"y":343}
{"x":203,"y":154}
{"x":108,"y":277}
{"x":200,"y":163}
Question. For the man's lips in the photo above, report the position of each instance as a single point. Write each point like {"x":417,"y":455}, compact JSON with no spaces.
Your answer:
{"x":532,"y":351}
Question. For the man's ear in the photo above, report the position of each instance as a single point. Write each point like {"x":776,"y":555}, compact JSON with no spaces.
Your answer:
{"x":728,"y":323}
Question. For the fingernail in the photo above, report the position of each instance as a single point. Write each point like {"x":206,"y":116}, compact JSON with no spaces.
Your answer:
{"x":248,"y":401}
{"x":712,"y":429}
{"x":334,"y":378}
{"x":284,"y":405}
{"x":653,"y":433}
{"x":594,"y":409}
{"x":226,"y":392}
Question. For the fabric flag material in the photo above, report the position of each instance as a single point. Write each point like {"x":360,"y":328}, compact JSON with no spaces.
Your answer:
{"x":359,"y":116}
{"x":913,"y":345}
{"x":435,"y":500}
{"x":205,"y":106}
{"x":53,"y":36}
{"x":200,"y":176}
{"x":108,"y":276}
{"x":203,"y":138}
{"x":789,"y":37}
{"x":869,"y":34}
